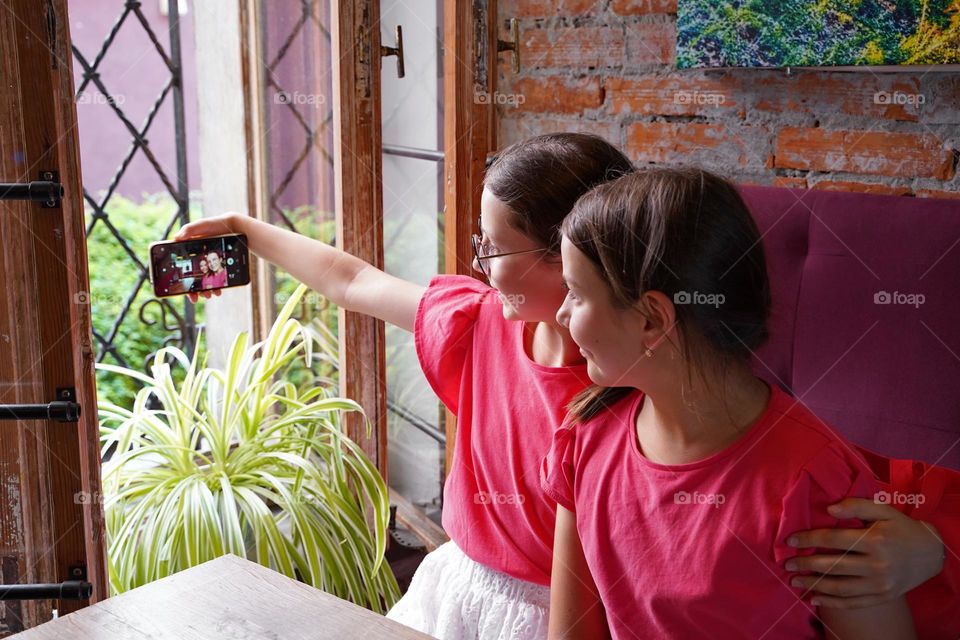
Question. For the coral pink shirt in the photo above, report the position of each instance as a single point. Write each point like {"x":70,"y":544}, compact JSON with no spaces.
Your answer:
{"x":507,"y":408}
{"x":213,"y":280}
{"x":697,"y":550}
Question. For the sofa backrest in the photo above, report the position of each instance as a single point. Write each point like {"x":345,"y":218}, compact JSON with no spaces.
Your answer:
{"x":865,"y":328}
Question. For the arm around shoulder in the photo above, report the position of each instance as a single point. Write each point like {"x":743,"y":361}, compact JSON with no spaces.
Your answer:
{"x":891,"y":621}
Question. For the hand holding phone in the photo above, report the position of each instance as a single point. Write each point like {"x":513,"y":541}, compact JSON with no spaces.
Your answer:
{"x":199,"y":265}
{"x":229,"y":223}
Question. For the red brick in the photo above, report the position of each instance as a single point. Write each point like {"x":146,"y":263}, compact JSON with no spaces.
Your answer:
{"x":553,"y":94}
{"x":673,"y":95}
{"x":789,"y":182}
{"x":935,"y":193}
{"x":861,"y":187}
{"x":651,"y":43}
{"x":548,"y":8}
{"x":643,"y":7}
{"x":515,"y":127}
{"x":867,"y":152}
{"x":710,"y":145}
{"x":871,"y":95}
{"x":572,"y":48}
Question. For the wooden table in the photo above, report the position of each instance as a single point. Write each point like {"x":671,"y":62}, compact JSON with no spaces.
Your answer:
{"x":229,"y":597}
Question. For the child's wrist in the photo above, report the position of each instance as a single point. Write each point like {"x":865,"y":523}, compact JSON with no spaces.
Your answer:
{"x":239,"y":223}
{"x":235,"y":221}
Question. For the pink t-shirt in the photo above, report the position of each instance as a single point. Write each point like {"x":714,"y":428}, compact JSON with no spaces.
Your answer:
{"x":507,"y":408}
{"x":697,"y":550}
{"x":213,"y":280}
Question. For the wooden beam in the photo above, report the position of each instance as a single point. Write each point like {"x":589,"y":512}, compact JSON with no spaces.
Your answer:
{"x":262,"y":288}
{"x":51,"y":471}
{"x":412,"y":517}
{"x":85,"y":440}
{"x":359,"y":208}
{"x":469,"y":67}
{"x":25,"y":527}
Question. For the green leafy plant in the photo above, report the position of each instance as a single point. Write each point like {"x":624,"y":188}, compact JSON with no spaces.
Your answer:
{"x":242,"y":461}
{"x":115,"y":280}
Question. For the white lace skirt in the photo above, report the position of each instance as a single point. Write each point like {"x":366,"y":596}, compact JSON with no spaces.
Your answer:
{"x":453,"y":597}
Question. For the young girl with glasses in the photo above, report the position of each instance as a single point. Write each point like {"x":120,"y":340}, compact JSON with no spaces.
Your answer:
{"x":498,"y":359}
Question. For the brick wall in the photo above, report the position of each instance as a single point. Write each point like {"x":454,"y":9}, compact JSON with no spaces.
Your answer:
{"x":607,"y":67}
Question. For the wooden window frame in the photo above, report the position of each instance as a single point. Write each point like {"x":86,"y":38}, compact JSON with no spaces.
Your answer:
{"x":470,"y":135}
{"x":51,"y":519}
{"x":357,"y":185}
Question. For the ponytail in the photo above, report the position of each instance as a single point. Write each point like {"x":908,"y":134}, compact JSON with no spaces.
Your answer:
{"x":592,"y":400}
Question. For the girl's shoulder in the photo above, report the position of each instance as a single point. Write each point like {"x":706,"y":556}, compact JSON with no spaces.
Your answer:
{"x":454,"y":304}
{"x":465,"y":291}
{"x":804,"y":449}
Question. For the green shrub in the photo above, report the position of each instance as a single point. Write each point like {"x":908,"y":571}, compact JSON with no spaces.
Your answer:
{"x":115,"y":277}
{"x":238,"y":460}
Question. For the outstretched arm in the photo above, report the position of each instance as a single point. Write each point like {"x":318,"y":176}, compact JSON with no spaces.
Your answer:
{"x":344,"y":279}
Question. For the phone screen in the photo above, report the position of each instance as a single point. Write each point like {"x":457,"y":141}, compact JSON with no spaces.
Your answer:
{"x":201,"y":264}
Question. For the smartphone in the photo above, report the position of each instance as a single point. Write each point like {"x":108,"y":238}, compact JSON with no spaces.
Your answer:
{"x":199,"y":264}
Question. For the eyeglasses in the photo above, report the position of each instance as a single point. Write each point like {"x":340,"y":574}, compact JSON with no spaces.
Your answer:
{"x":479,"y":251}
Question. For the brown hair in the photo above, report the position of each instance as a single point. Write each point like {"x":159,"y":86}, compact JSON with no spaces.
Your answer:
{"x":541,"y":178}
{"x":688,"y":234}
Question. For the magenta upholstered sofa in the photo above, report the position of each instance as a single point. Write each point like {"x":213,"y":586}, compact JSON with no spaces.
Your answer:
{"x":865,"y":328}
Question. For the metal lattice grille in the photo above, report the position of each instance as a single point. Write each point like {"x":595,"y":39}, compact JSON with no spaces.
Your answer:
{"x":299,"y":112}
{"x":177,"y":322}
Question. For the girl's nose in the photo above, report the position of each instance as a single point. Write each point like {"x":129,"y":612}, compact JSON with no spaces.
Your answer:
{"x":563,"y":317}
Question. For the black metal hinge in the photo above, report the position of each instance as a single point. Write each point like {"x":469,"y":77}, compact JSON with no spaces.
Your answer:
{"x":47,"y":190}
{"x":63,"y":409}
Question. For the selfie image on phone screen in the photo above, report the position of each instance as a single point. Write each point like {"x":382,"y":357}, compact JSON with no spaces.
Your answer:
{"x":196,"y":265}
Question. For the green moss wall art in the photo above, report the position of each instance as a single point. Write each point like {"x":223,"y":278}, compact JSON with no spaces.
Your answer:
{"x":774,"y":33}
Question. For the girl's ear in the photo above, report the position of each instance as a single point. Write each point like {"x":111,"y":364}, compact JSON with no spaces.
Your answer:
{"x":661,"y":316}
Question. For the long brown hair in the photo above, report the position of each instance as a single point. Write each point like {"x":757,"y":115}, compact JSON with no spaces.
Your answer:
{"x":541,"y":178}
{"x":686,"y":233}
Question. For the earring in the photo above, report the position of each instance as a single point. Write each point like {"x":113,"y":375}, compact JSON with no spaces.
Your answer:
{"x":648,"y":353}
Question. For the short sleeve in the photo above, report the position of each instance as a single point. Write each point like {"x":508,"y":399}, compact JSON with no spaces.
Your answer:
{"x":557,"y":470}
{"x":443,"y":332}
{"x":833,"y":474}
